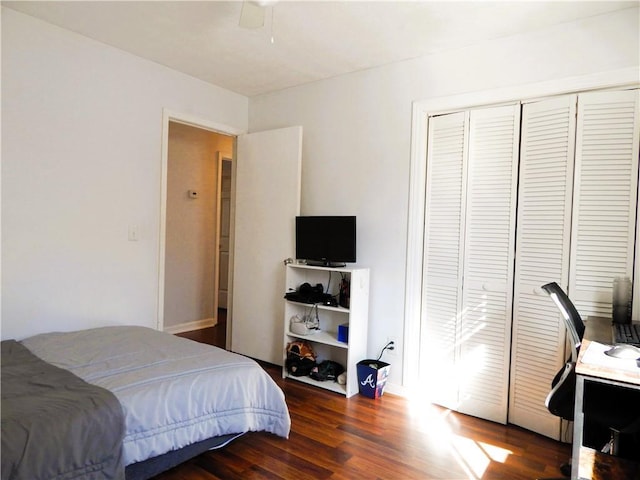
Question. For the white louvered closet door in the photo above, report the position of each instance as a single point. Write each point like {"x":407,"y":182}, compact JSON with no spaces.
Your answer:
{"x":542,"y":256}
{"x":605,"y":196}
{"x":485,"y":318}
{"x":444,"y":221}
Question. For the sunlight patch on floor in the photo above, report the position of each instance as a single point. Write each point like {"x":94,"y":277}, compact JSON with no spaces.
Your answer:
{"x":452,"y":363}
{"x":497,"y":454}
{"x":469,"y":456}
{"x":475,"y":457}
{"x":438,"y":426}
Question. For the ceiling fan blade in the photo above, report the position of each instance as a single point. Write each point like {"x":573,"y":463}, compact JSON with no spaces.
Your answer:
{"x":252,"y":15}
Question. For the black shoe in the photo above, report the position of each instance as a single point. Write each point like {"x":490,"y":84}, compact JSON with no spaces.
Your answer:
{"x":565,"y":469}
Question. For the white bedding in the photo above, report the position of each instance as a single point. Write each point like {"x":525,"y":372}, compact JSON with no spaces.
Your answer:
{"x":174,"y":391}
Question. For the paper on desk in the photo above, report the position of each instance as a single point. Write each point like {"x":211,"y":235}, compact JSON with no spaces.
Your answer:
{"x":595,"y":355}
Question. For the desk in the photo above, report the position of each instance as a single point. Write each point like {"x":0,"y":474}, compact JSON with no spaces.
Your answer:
{"x":593,"y":368}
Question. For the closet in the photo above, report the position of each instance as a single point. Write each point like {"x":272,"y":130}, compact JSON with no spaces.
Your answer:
{"x":518,"y":196}
{"x":470,"y":232}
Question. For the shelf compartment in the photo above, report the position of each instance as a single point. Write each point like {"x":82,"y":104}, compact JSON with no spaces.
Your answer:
{"x":327,"y":384}
{"x":325,"y":343}
{"x":320,"y":306}
{"x":326,"y":338}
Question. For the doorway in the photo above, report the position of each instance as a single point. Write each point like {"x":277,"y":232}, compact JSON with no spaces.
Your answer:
{"x":271,"y":167}
{"x":225,"y":170}
{"x":195,"y":213}
{"x":223,"y":250}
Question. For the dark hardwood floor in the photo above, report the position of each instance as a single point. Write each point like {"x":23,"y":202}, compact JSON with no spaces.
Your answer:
{"x":360,"y":438}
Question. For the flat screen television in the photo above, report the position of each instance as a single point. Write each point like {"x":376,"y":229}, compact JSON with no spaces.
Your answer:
{"x":326,"y":240}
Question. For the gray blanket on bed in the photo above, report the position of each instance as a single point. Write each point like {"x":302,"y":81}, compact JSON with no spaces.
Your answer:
{"x":54,"y":424}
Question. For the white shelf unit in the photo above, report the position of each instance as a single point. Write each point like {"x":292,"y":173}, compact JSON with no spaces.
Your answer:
{"x":325,"y":342}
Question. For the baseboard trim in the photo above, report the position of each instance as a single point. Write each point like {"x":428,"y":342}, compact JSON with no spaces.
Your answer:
{"x":190,"y":326}
{"x":396,"y":389}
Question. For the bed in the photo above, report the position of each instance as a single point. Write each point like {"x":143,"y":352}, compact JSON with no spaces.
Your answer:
{"x":177,"y":397}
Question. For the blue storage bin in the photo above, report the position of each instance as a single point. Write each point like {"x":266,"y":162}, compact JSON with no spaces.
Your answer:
{"x":372,"y":377}
{"x":343,"y":333}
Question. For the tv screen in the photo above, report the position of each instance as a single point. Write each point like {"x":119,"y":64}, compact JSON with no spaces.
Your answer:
{"x":326,"y":240}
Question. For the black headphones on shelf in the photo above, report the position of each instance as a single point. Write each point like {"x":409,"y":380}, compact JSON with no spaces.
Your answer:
{"x":307,"y":288}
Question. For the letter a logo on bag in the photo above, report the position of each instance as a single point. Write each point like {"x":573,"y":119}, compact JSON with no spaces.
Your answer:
{"x":368,"y":381}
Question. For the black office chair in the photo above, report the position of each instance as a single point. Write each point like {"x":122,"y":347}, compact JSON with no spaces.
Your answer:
{"x":560,"y":400}
{"x":618,"y":415}
{"x":572,"y":319}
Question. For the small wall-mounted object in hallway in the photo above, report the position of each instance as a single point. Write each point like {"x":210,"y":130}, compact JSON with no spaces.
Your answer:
{"x":192,"y":194}
{"x":134,"y":233}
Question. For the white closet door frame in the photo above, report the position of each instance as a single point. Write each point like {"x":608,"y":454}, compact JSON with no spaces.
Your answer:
{"x":542,"y":256}
{"x":605,"y":197}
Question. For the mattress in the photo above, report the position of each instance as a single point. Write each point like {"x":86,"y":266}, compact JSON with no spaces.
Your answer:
{"x":174,"y":391}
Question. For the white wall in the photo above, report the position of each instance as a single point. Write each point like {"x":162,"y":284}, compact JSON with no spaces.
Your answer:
{"x":81,"y":161}
{"x":356,"y":150}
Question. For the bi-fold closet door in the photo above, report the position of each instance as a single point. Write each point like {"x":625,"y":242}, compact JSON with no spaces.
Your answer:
{"x":543,"y":245}
{"x":469,"y":234}
{"x":605,"y":197}
{"x":491,"y":340}
{"x":576,"y":226}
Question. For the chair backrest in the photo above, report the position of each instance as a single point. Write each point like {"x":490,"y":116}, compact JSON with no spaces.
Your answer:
{"x":572,"y":319}
{"x":560,"y":400}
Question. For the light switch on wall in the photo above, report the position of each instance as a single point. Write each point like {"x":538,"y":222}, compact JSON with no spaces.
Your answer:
{"x":133,"y":233}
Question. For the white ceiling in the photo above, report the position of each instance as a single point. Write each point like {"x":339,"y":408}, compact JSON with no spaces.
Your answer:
{"x":312,"y":40}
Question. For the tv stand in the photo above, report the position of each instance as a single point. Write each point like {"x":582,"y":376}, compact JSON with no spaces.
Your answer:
{"x":325,"y":342}
{"x":324,"y":263}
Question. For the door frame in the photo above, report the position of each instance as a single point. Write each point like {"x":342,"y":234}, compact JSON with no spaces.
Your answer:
{"x":204,"y":124}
